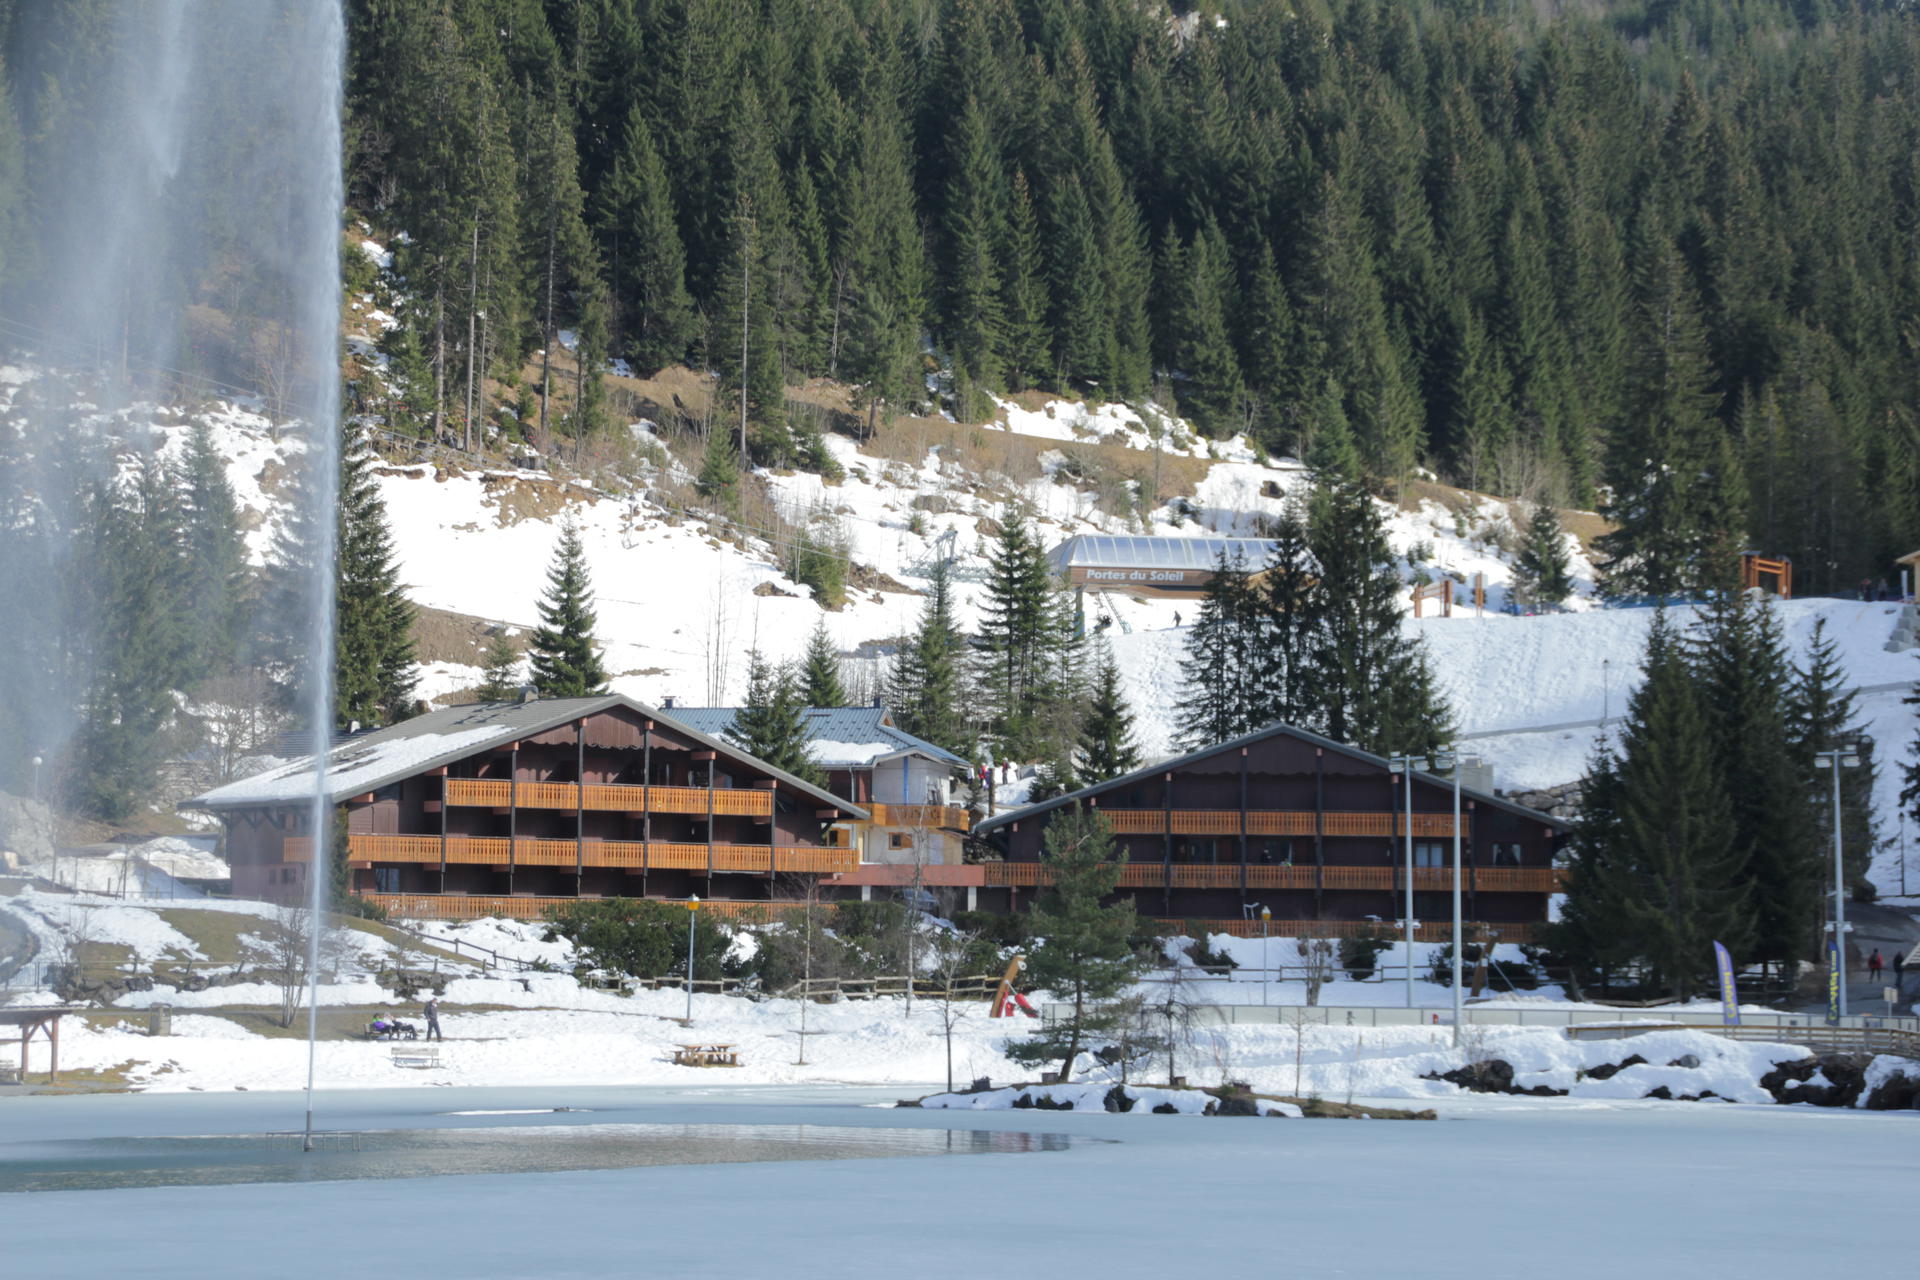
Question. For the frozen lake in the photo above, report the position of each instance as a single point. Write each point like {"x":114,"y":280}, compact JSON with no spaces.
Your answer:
{"x":1571,"y":1188}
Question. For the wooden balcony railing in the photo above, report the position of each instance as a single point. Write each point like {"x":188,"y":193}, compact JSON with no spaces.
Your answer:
{"x":1226,"y":875}
{"x":475,"y":906}
{"x":930,"y":816}
{"x":364,"y":850}
{"x":497,"y":793}
{"x":1277,"y":822}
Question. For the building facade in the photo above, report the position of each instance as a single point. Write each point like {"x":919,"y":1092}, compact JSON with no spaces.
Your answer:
{"x":907,"y":785}
{"x":1309,"y":829}
{"x":515,"y":808}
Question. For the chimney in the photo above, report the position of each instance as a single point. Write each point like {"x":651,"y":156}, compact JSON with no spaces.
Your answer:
{"x":666,"y":703}
{"x":529,"y":693}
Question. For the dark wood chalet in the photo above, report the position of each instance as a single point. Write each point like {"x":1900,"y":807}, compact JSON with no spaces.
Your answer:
{"x":1309,"y":828}
{"x":514,"y":808}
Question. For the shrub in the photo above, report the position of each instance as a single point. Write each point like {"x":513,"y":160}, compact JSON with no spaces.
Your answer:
{"x":641,"y":938}
{"x":1360,"y":955}
{"x":1200,"y":949}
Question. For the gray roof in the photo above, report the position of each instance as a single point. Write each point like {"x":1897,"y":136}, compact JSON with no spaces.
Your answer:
{"x":1234,"y":744}
{"x":841,"y":737}
{"x":1106,"y":550}
{"x":368,"y":761}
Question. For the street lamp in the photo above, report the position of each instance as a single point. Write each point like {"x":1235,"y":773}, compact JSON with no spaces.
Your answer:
{"x":1449,"y":759}
{"x":1266,"y":950}
{"x":1404,"y":765}
{"x":37,"y":762}
{"x":693,"y":913}
{"x":1846,"y":756}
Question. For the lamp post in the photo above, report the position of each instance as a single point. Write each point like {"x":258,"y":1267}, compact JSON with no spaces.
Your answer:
{"x":37,"y":762}
{"x":1846,"y":756}
{"x":1450,"y":759}
{"x":1404,"y":763}
{"x":1266,"y":950}
{"x":693,"y":913}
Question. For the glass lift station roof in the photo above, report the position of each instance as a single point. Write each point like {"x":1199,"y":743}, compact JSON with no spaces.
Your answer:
{"x":1164,"y":564}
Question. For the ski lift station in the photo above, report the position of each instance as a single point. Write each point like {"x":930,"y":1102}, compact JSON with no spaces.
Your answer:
{"x":1151,"y":566}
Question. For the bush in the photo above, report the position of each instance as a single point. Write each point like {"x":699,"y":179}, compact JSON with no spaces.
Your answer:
{"x":1360,"y":955}
{"x":642,"y":938}
{"x":1014,"y":931}
{"x":1200,"y":949}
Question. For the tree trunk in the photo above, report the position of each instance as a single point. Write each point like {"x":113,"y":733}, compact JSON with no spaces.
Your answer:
{"x":746,"y":310}
{"x":473,"y":306}
{"x":439,"y":363}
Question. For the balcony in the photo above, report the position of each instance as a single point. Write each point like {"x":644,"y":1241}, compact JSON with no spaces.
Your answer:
{"x":658,"y":855}
{"x":1184,"y":875}
{"x":498,"y":793}
{"x":1277,"y":822}
{"x":926,"y":816}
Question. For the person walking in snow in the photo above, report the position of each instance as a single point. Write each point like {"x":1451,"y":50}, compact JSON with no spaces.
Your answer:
{"x":1899,"y":969}
{"x":1875,"y":964}
{"x":433,"y":1018}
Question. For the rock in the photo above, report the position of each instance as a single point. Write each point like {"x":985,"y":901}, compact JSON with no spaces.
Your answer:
{"x":1118,"y":1099}
{"x":1687,"y":1060}
{"x":1166,"y":1109}
{"x":1895,"y":1093}
{"x":1235,"y":1105}
{"x":1608,"y":1070}
{"x":1843,"y":1080}
{"x":1659,"y":1091}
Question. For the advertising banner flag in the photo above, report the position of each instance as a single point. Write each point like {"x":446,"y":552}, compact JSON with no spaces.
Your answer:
{"x":1833,"y":980}
{"x":1729,"y":995}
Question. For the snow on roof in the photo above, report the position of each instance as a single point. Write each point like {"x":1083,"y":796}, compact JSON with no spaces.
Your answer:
{"x":353,"y":767}
{"x":369,"y":761}
{"x":840,"y":737}
{"x":1117,"y":550}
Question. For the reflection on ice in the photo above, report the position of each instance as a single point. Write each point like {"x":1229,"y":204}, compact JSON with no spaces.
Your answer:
{"x":96,"y":1164}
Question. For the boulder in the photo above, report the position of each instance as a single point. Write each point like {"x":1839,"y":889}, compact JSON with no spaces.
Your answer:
{"x":1118,"y":1099}
{"x":1690,"y":1061}
{"x":1608,"y":1070}
{"x":1898,"y":1092}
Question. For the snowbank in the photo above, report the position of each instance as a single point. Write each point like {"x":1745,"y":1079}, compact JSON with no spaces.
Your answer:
{"x":1127,"y":1099}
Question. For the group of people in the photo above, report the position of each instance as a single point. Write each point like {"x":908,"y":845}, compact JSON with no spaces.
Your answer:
{"x":1877,"y":964}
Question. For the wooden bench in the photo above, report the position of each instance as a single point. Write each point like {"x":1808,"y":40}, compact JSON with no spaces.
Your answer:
{"x":424,"y":1057}
{"x":705,"y":1055}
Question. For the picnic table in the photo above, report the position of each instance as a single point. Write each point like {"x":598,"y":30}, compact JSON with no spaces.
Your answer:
{"x":705,"y":1055}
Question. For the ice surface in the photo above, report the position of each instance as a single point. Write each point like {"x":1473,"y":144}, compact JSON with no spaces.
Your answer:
{"x":1604,"y":1191}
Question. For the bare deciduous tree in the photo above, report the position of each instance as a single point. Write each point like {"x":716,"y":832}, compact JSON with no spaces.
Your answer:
{"x":948,"y":952}
{"x":1317,"y":958}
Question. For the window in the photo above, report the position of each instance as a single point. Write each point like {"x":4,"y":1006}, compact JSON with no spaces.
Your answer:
{"x":1506,"y":854}
{"x":1275,"y":853}
{"x":386,"y":879}
{"x":899,"y":840}
{"x":1429,"y":854}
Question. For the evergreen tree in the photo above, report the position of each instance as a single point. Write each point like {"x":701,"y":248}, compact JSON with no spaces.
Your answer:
{"x":1822,"y":716}
{"x":1107,"y":746}
{"x":771,"y":724}
{"x":1593,"y":930}
{"x":1543,"y":572}
{"x":719,"y":479}
{"x":927,"y":687}
{"x":1677,"y":876}
{"x":642,"y":244}
{"x":562,"y":653}
{"x":1744,"y":685}
{"x":820,"y":671}
{"x":500,"y":668}
{"x":214,"y":555}
{"x":1085,"y":955}
{"x":1371,"y":685}
{"x":1222,"y":698}
{"x":1292,"y":604}
{"x":140,"y":647}
{"x":1025,"y":641}
{"x":975,"y":232}
{"x":1676,"y":504}
{"x":373,"y":658}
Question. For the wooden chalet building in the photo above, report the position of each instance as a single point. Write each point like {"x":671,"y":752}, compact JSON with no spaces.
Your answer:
{"x":906,"y":784}
{"x":515,"y":808}
{"x":1309,"y":828}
